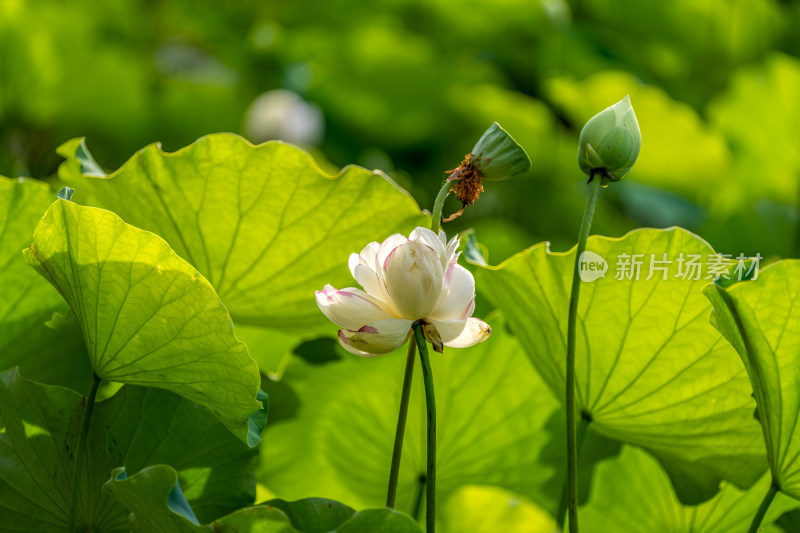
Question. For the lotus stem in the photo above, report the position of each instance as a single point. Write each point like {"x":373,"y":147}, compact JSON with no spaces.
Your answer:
{"x":762,"y":509}
{"x":438,"y":205}
{"x":397,"y":452}
{"x":79,"y":453}
{"x":572,"y":449}
{"x":583,"y":426}
{"x":430,"y":400}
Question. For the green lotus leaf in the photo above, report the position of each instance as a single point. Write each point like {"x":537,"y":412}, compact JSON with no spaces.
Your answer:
{"x":262,"y":223}
{"x":53,"y":355}
{"x":155,"y":498}
{"x":379,"y":521}
{"x":136,"y":427}
{"x":494,"y":427}
{"x":484,"y":509}
{"x":157,"y":505}
{"x":631,"y":493}
{"x":761,"y":319}
{"x":314,"y":515}
{"x":650,"y":369}
{"x":147,"y":317}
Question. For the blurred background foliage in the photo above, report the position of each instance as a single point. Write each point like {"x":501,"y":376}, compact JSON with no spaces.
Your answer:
{"x":407,"y":86}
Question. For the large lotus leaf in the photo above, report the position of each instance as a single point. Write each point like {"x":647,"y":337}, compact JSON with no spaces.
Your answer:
{"x":314,"y":515}
{"x":148,"y":317}
{"x":41,"y":425}
{"x":270,"y":348}
{"x":156,"y":426}
{"x":155,"y":499}
{"x":157,"y":505}
{"x":481,"y":509}
{"x":379,"y":521}
{"x":493,"y":415}
{"x":761,"y":318}
{"x":262,"y":223}
{"x":632,"y":494}
{"x":650,"y":369}
{"x":136,"y":427}
{"x":27,"y":301}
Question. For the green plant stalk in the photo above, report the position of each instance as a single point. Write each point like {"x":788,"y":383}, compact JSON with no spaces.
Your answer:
{"x":762,"y":509}
{"x":583,"y":426}
{"x":397,"y":452}
{"x":438,"y":205}
{"x":76,"y":473}
{"x":572,"y":449}
{"x":430,"y":400}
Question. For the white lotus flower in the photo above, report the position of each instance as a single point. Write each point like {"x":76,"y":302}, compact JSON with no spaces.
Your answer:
{"x":406,"y":280}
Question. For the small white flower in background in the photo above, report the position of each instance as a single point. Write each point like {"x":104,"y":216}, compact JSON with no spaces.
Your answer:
{"x":282,"y":114}
{"x":406,"y":280}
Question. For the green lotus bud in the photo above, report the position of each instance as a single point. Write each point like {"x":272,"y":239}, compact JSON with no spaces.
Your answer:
{"x":610,"y":142}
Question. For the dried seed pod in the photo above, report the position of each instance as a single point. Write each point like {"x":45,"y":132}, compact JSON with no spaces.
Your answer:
{"x":468,"y":183}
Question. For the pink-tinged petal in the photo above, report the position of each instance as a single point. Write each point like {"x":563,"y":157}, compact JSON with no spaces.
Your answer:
{"x":413,"y":278}
{"x":369,"y":252}
{"x":458,"y":294}
{"x":350,"y":308}
{"x":451,"y":250}
{"x":367,"y":278}
{"x":431,"y":239}
{"x":352,"y":262}
{"x":344,"y":340}
{"x":387,"y":246}
{"x":366,"y":258}
{"x":362,"y":266}
{"x":472,"y":331}
{"x":470,"y":309}
{"x":378,"y":338}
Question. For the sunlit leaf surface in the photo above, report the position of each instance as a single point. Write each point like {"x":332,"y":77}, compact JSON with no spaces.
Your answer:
{"x":53,"y":355}
{"x":650,"y":369}
{"x":761,"y":318}
{"x":493,"y":427}
{"x":633,"y":494}
{"x":262,"y":223}
{"x":484,"y":509}
{"x":148,"y":317}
